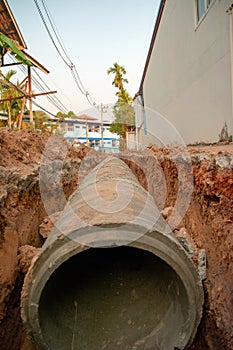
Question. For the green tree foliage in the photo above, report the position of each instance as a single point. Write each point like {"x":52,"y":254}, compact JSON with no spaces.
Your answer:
{"x":118,"y":71}
{"x":41,"y":120}
{"x":62,"y":116}
{"x":6,"y":44}
{"x":124,"y":118}
{"x":43,"y":123}
{"x":71,"y":114}
{"x":123,"y":109}
{"x":12,"y":107}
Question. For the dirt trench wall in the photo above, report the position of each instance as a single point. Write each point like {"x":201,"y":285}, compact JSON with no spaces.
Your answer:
{"x":21,"y":214}
{"x":208,"y":221}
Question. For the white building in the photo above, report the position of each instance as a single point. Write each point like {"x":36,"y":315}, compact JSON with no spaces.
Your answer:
{"x":188,"y":75}
{"x":80,"y":130}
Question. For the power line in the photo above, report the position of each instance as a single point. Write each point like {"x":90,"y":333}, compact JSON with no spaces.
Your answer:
{"x":55,"y":30}
{"x":52,"y":99}
{"x":71,"y":66}
{"x":64,"y":108}
{"x":44,"y":109}
{"x":48,"y":31}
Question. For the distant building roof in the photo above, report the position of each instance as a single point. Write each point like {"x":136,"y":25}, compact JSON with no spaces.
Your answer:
{"x":83,"y":121}
{"x":86,"y":117}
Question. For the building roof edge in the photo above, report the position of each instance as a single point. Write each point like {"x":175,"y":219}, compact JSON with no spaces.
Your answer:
{"x":154,"y":35}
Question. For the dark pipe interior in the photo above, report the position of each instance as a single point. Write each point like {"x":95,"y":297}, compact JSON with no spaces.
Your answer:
{"x":114,"y":298}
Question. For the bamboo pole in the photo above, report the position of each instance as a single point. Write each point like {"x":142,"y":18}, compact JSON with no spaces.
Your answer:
{"x":22,"y":108}
{"x":9,"y":114}
{"x":21,"y":113}
{"x":30,"y":94}
{"x":8,"y":83}
{"x":33,"y":95}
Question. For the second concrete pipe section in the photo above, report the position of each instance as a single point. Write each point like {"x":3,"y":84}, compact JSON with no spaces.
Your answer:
{"x":111,"y":274}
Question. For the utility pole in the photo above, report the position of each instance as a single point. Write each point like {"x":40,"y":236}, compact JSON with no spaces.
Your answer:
{"x":103,"y":109}
{"x":102,"y":127}
{"x":87,"y":141}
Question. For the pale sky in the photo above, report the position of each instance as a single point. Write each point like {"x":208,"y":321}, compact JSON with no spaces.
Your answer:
{"x":96,"y":34}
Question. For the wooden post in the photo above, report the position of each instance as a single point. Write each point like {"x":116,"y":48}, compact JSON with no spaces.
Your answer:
{"x":22,"y":108}
{"x":21,"y":113}
{"x":9,"y":114}
{"x":30,"y":94}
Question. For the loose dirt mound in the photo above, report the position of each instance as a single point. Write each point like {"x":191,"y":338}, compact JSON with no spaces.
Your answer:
{"x":20,"y":148}
{"x":25,"y":147}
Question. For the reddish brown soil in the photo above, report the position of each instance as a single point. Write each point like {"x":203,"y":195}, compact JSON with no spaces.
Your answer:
{"x":208,"y":220}
{"x":21,"y":213}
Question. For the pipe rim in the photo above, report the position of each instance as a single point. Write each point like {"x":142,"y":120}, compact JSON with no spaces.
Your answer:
{"x":163,"y":246}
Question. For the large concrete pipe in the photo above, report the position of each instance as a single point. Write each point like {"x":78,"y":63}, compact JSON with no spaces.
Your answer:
{"x":112,"y":275}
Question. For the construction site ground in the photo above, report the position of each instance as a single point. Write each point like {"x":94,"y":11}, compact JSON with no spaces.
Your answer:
{"x":24,"y":222}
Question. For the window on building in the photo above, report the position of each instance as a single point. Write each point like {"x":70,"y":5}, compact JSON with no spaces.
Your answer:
{"x":77,"y":126}
{"x":201,"y":8}
{"x":209,"y":2}
{"x":70,"y":127}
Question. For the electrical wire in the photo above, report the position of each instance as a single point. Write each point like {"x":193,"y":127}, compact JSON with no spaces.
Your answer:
{"x":48,"y":31}
{"x":64,"y":108}
{"x":52,"y":99}
{"x":55,"y":30}
{"x":44,"y":109}
{"x":65,"y":59}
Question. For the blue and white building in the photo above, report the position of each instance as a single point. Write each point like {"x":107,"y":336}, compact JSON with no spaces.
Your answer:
{"x":96,"y":133}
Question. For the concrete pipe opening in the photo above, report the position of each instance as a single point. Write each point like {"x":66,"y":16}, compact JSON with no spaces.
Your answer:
{"x":113,"y":298}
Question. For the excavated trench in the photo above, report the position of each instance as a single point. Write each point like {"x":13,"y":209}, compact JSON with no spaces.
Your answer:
{"x":139,"y":296}
{"x":112,"y":274}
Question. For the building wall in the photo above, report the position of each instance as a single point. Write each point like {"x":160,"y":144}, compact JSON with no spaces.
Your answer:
{"x":73,"y":130}
{"x":188,"y":79}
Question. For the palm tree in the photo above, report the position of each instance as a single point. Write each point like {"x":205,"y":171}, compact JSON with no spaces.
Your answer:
{"x":12,"y":107}
{"x":5,"y":91}
{"x":123,"y":109}
{"x":119,"y":71}
{"x":124,"y":97}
